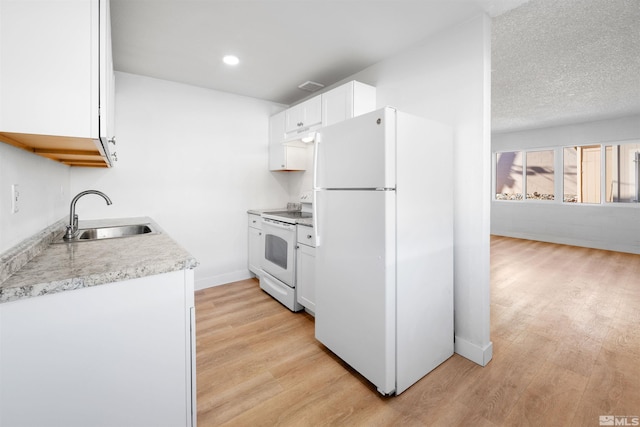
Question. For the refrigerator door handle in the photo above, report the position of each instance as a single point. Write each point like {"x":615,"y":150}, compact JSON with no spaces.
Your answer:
{"x":316,"y":233}
{"x":316,"y":149}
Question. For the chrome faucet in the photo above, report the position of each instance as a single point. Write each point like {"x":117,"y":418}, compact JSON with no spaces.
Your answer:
{"x":72,"y":228}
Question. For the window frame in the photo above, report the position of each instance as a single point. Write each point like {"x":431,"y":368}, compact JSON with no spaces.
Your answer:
{"x":559,"y":174}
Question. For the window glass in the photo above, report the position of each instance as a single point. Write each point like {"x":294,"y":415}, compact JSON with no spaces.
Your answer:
{"x":509,"y":176}
{"x":275,"y":250}
{"x":540,"y":173}
{"x":622,"y":173}
{"x":581,"y":174}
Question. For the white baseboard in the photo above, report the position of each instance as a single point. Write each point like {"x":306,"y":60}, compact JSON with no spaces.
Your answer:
{"x":222,"y":279}
{"x":473,"y":352}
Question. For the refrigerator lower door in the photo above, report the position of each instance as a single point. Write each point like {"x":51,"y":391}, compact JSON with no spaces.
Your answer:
{"x":355,"y":281}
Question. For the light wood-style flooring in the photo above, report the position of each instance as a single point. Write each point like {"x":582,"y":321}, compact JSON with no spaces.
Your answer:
{"x":565,"y":325}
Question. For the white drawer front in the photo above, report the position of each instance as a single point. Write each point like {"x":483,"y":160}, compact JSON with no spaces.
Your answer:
{"x":306,"y":236}
{"x":255,"y":221}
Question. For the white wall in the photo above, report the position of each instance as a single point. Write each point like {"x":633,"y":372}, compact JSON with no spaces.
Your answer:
{"x":447,"y":78}
{"x":194,"y":160}
{"x":43,"y":186}
{"x":609,"y":226}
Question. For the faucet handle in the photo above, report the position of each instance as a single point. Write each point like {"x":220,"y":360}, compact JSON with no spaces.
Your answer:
{"x":68,"y":235}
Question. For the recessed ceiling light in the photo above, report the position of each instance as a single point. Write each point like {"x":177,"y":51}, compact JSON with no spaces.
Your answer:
{"x":231,"y":60}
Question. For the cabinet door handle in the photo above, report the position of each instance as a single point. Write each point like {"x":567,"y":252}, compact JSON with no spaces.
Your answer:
{"x":309,"y":236}
{"x":112,"y":140}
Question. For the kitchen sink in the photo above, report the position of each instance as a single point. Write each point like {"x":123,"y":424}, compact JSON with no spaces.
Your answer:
{"x":112,"y":232}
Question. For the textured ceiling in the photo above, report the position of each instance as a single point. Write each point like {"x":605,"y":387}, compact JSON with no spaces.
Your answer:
{"x":565,"y":61}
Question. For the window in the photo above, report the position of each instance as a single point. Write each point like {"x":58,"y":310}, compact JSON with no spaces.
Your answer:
{"x":622,"y":173}
{"x":540,"y":172}
{"x":581,"y":174}
{"x":509,"y":176}
{"x":590,"y":174}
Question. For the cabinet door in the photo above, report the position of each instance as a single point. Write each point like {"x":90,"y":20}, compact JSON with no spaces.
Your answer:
{"x":277,"y":127}
{"x":287,"y":158}
{"x":48,"y":71}
{"x":255,"y":250}
{"x":107,"y":80}
{"x":337,"y":104}
{"x":349,"y":100}
{"x":118,"y":354}
{"x":304,"y":115}
{"x":277,"y":157}
{"x":305,"y":279}
{"x":56,"y":79}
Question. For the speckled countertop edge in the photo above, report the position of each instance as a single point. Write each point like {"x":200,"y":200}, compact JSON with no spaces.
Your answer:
{"x":15,"y":258}
{"x":54,"y":268}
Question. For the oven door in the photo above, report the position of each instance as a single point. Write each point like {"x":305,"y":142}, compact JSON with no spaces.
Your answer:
{"x":279,"y":240}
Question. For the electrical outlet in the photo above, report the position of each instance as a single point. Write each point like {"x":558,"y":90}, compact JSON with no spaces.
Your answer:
{"x":15,"y":198}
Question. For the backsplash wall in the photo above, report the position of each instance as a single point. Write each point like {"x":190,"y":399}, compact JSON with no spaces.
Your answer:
{"x":43,"y":187}
{"x":194,"y":160}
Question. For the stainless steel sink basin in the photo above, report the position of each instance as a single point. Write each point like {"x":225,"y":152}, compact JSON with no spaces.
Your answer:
{"x":112,"y":232}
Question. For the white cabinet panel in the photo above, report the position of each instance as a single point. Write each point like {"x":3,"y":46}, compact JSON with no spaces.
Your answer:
{"x":304,"y":115}
{"x":110,"y":355}
{"x":287,"y":158}
{"x":255,"y":244}
{"x":283,"y":157}
{"x":306,"y":268}
{"x":56,"y":76}
{"x":276,"y":128}
{"x":349,"y":100}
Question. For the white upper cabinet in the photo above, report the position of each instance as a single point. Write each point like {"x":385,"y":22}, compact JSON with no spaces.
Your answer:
{"x":349,"y":100}
{"x":304,"y":116}
{"x":283,"y":157}
{"x":289,"y":129}
{"x":56,"y":78}
{"x":277,"y":127}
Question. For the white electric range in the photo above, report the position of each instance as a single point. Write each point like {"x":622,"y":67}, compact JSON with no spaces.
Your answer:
{"x":279,"y":261}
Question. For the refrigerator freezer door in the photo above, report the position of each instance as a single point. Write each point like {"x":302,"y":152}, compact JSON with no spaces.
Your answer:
{"x":357,"y":153}
{"x":355,"y":281}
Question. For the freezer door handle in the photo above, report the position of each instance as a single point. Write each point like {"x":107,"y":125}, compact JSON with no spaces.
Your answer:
{"x":316,"y":149}
{"x":316,"y":231}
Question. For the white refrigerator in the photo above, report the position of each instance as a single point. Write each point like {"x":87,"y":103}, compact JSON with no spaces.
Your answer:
{"x":383,"y":218}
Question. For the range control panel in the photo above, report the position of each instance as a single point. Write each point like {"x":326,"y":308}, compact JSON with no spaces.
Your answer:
{"x":306,"y":196}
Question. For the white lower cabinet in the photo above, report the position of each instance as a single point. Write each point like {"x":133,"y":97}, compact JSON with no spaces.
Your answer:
{"x":305,"y":268}
{"x":119,"y":354}
{"x":255,"y":244}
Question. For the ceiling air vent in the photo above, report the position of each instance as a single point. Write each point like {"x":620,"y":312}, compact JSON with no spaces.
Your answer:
{"x":310,"y":86}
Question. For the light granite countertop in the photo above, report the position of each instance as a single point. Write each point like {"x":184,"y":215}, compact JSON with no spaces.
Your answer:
{"x":38,"y":267}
